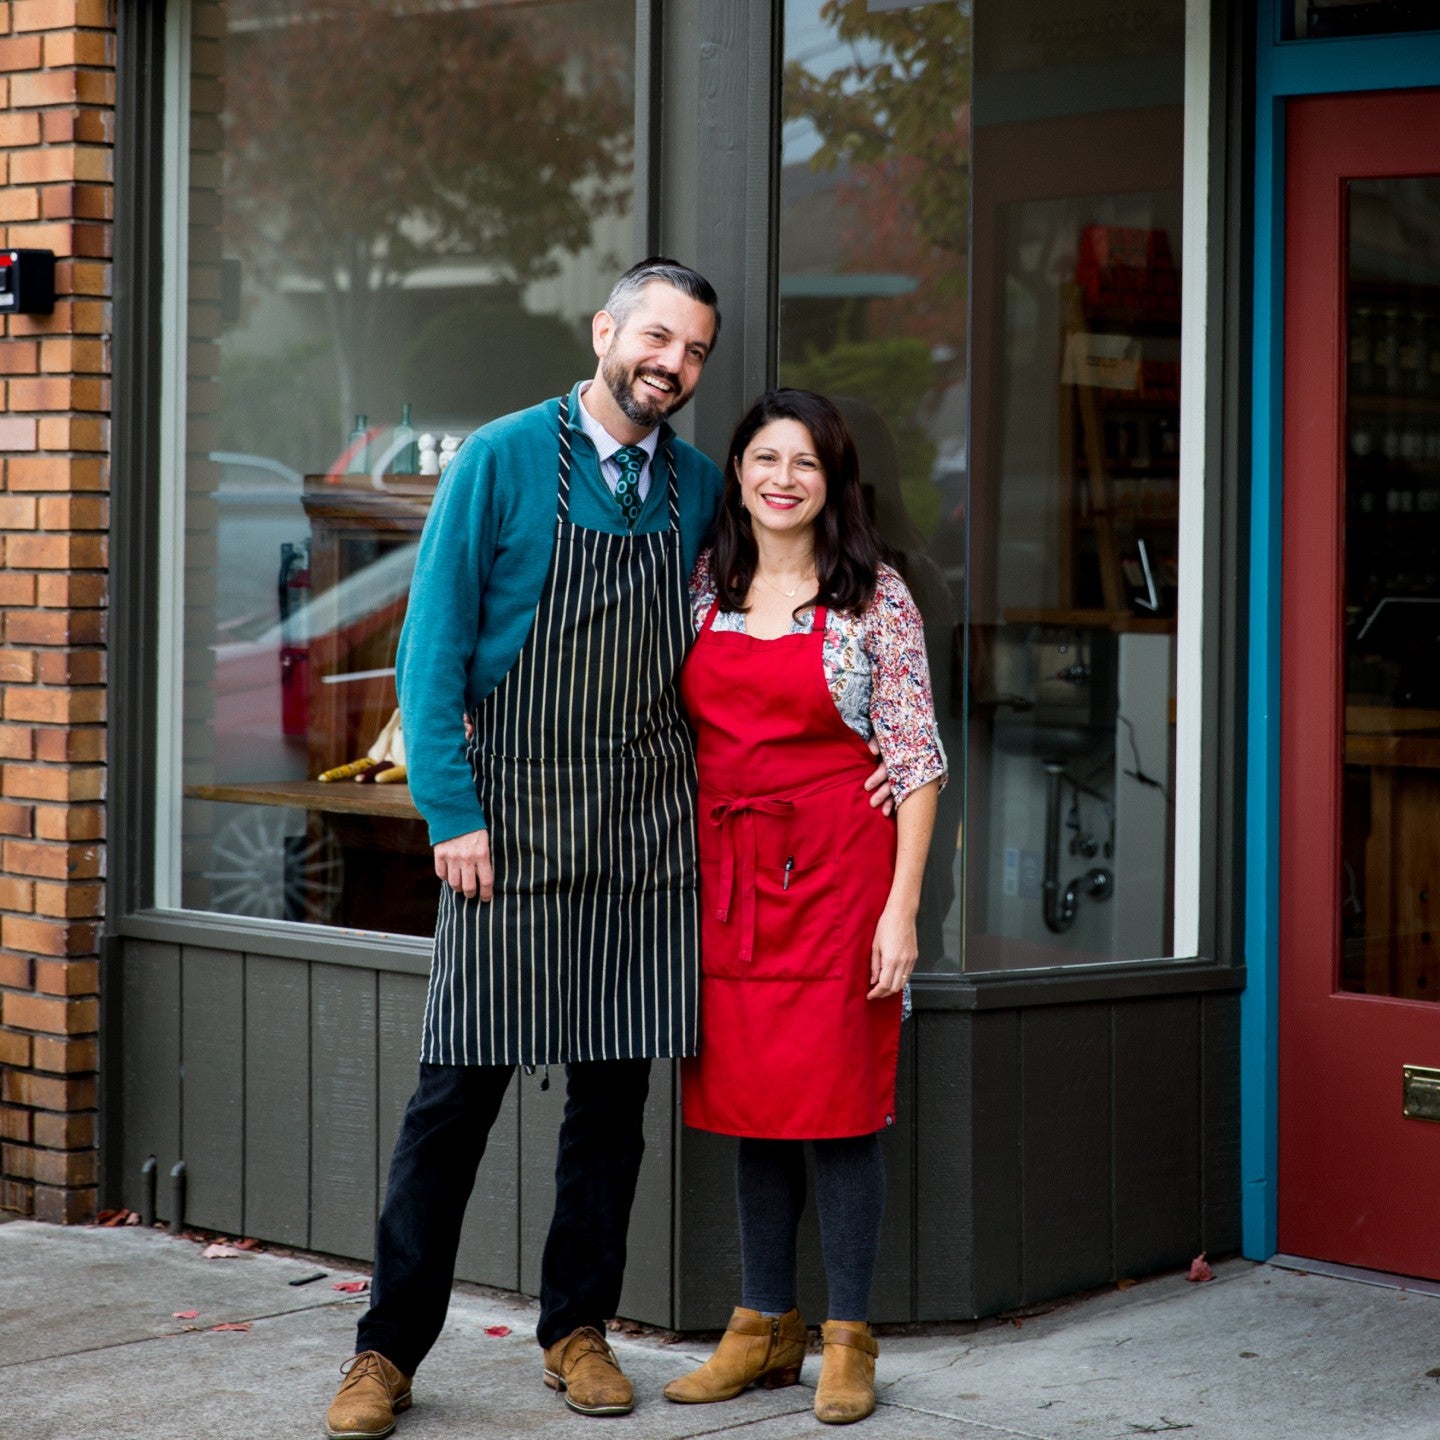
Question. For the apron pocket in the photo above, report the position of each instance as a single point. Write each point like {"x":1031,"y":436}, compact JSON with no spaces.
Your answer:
{"x":618,"y":826}
{"x":795,"y":905}
{"x":539,"y":840}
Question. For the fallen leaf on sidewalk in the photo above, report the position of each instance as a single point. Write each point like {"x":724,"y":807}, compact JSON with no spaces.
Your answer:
{"x":351,"y":1287}
{"x":497,"y":1330}
{"x":232,"y":1325}
{"x":1200,"y":1268}
{"x":186,"y":1314}
{"x":117,"y":1217}
{"x":218,"y":1251}
{"x":247,"y":1244}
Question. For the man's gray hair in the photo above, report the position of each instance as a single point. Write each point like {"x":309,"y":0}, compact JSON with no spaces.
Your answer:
{"x":625,"y":293}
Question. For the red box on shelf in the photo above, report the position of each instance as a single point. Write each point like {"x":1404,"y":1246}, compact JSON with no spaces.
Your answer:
{"x":1122,"y":267}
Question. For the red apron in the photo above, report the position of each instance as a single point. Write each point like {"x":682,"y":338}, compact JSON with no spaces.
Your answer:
{"x":795,"y":869}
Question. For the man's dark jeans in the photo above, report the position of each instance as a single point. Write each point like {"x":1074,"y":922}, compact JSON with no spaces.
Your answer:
{"x":432,"y":1173}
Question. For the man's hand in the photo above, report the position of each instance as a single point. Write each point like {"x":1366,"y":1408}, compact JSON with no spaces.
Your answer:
{"x":464,"y":864}
{"x":879,"y":782}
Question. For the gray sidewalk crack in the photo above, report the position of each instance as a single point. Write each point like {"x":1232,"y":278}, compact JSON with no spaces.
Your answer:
{"x":171,"y":1334}
{"x":967,"y":1420}
{"x":724,"y":1429}
{"x":949,"y":1364}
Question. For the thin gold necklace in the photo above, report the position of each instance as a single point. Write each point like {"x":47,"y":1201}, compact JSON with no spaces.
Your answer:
{"x":780,"y":589}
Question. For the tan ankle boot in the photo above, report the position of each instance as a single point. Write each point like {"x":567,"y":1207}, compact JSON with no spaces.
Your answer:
{"x":754,"y":1350}
{"x":846,"y":1390}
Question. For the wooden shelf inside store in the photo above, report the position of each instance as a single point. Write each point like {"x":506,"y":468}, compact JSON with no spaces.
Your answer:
{"x":339,"y":797}
{"x":1389,"y":735}
{"x":1120,"y":621}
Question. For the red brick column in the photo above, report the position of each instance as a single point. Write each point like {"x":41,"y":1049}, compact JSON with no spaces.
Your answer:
{"x":57,"y":96}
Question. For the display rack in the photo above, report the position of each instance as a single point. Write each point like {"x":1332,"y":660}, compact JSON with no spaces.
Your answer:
{"x":342,"y":691}
{"x":1119,"y":454}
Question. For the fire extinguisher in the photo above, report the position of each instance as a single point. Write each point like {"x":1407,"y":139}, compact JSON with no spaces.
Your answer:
{"x":294,"y":639}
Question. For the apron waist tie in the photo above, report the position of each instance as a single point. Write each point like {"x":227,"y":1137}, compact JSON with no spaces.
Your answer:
{"x":735,"y":819}
{"x":732,"y":813}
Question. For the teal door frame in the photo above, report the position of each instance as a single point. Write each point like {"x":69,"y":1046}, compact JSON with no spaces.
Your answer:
{"x":1284,"y":69}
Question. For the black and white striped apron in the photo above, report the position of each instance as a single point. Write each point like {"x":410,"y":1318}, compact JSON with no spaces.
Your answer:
{"x":585,"y":766}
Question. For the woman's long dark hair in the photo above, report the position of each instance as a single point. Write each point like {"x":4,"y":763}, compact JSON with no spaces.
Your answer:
{"x":848,"y":549}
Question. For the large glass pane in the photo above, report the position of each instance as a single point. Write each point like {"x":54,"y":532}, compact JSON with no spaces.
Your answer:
{"x":1391,"y":807}
{"x":1322,"y":19}
{"x":400,"y":218}
{"x":874,"y":269}
{"x":980,"y":248}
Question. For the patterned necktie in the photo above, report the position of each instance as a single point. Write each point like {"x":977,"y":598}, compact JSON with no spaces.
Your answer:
{"x":631,"y":460}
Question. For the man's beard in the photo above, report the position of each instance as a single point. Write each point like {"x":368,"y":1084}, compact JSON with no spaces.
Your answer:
{"x":637,"y":411}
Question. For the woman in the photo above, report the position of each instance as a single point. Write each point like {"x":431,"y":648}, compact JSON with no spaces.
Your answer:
{"x":808,"y":645}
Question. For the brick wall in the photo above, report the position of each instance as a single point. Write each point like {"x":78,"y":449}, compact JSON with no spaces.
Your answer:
{"x":57,"y":93}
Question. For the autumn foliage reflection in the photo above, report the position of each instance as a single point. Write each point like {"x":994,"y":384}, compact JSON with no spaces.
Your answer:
{"x":365,"y":139}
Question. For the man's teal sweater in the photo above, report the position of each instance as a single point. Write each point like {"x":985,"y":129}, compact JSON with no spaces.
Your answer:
{"x":484,"y":555}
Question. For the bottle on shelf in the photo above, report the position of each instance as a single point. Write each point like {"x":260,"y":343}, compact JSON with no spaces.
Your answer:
{"x":360,"y":446}
{"x":1387,"y":352}
{"x":1424,"y":342}
{"x":407,"y":455}
{"x":1408,"y":349}
{"x":1362,"y":353}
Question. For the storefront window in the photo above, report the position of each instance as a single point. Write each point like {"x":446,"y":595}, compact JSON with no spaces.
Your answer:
{"x":1323,"y":19}
{"x":980,"y":249}
{"x":392,"y":225}
{"x":1390,"y":816}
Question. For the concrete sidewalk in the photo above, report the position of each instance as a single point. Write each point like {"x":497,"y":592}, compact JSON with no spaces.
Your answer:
{"x":89,"y":1350}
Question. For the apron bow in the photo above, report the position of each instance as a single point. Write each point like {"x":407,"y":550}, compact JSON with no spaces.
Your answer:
{"x":735,"y":818}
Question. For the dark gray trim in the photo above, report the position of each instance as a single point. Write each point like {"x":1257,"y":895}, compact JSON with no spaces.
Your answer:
{"x":136,"y":452}
{"x":1073,"y":985}
{"x":649,"y":29}
{"x":134,"y":461}
{"x":1233,"y":179}
{"x":136,"y":447}
{"x":1218,"y":618}
{"x":1223,"y":667}
{"x":720,"y":75}
{"x":403,"y":954}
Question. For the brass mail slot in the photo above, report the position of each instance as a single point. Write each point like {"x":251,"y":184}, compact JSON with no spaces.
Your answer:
{"x":1422,"y":1093}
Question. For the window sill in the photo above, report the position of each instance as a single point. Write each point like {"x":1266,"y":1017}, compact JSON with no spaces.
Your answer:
{"x":1074,"y":985}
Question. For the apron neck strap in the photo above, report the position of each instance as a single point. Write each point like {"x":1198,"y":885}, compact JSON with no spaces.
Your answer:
{"x":672,"y":484}
{"x":564,"y":457}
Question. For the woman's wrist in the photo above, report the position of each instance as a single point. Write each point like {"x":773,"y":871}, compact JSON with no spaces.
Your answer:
{"x":904,"y":908}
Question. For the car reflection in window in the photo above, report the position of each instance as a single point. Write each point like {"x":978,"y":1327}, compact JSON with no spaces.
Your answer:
{"x":268,"y":619}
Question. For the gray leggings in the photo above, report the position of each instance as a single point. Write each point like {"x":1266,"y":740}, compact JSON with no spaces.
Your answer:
{"x":850,"y":1199}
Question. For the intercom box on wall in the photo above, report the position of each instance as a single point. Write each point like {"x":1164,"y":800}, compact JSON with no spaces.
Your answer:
{"x":27,"y":282}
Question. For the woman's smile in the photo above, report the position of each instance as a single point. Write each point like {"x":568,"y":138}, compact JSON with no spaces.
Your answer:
{"x":782,"y":483}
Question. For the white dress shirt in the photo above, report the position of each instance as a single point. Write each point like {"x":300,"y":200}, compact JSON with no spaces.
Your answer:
{"x":606,"y":445}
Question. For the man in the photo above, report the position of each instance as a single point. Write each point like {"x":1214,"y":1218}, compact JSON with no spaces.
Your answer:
{"x":550,"y":609}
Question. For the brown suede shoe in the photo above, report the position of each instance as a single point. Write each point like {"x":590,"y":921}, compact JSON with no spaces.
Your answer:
{"x":372,"y":1394}
{"x":585,"y":1368}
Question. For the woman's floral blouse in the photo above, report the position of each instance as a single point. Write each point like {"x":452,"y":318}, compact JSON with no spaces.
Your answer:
{"x":877,"y":672}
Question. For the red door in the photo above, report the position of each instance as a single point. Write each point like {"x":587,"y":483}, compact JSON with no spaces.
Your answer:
{"x":1360,"y":708}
